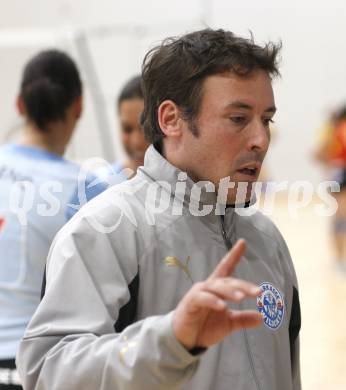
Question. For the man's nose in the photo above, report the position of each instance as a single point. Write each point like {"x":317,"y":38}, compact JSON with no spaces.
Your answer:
{"x":259,"y":137}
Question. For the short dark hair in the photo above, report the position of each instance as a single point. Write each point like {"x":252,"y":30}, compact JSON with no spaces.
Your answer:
{"x":176,"y":69}
{"x":131,"y":90}
{"x":50,"y":84}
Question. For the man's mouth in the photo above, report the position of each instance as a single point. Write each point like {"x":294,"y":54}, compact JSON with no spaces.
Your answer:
{"x":251,"y":170}
{"x":248,"y":171}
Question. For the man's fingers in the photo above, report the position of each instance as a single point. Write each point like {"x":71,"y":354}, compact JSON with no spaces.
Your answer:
{"x":244,"y":319}
{"x":206,"y":300}
{"x":231,"y":289}
{"x":228,"y":264}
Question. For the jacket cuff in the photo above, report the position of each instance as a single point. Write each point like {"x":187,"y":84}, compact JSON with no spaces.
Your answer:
{"x":177,"y":349}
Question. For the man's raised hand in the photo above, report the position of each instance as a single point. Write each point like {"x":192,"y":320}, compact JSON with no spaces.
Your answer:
{"x":202,"y":318}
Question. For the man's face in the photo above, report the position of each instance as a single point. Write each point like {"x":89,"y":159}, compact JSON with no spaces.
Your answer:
{"x":132,"y":135}
{"x":233,"y":124}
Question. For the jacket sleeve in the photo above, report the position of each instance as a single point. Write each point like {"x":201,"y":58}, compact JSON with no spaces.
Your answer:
{"x":295,"y":315}
{"x":294,"y":328}
{"x":296,"y":366}
{"x":71,"y":342}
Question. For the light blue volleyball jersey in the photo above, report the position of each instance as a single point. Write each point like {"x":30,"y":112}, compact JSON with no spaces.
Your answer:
{"x":107,"y":176}
{"x":35,"y":188}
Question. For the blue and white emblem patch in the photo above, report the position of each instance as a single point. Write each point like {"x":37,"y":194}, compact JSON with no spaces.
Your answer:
{"x":271,"y":305}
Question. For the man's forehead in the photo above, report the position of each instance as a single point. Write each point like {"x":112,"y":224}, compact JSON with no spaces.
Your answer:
{"x":236,"y":91}
{"x":235,"y":81}
{"x":241,"y":77}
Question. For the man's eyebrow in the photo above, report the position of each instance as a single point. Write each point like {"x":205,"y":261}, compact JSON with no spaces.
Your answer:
{"x":271,"y":109}
{"x":239,"y":104}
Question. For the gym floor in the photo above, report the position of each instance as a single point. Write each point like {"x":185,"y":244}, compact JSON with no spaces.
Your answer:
{"x":322,"y":296}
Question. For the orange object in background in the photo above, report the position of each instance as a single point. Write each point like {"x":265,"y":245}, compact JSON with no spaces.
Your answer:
{"x":336,"y":143}
{"x":2,"y":223}
{"x":340,"y":136}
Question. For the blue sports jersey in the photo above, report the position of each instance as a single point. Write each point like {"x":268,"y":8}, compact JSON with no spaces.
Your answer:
{"x":106,"y":176}
{"x":35,"y":189}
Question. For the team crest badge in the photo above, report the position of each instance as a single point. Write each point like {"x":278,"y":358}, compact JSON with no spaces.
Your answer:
{"x":271,"y":305}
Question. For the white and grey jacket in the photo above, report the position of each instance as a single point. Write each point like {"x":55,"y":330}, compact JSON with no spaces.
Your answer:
{"x":118,"y":269}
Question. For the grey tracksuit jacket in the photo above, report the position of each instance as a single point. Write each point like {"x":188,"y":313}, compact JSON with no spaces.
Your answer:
{"x":118,"y":269}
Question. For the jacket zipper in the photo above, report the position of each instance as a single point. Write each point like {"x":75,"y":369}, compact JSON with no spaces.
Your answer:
{"x":229,"y":245}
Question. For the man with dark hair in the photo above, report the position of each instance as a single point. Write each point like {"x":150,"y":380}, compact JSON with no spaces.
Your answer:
{"x":147,"y":288}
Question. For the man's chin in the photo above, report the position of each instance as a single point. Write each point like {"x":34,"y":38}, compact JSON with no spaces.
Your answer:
{"x":241,"y":178}
{"x":242,"y":193}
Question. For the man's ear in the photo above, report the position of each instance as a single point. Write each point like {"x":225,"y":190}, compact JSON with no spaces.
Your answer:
{"x":170,"y":120}
{"x":78,"y":107}
{"x":20,"y":105}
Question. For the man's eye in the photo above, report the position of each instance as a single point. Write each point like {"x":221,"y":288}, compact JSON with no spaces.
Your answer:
{"x":267,"y":121}
{"x":238,"y":120}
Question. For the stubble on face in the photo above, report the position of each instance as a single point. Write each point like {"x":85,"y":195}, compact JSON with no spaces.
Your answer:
{"x":233,"y":129}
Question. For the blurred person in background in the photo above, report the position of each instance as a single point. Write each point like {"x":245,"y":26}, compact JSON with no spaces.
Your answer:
{"x":36,"y":184}
{"x":130,"y":104}
{"x":130,"y":108}
{"x":332,"y":153}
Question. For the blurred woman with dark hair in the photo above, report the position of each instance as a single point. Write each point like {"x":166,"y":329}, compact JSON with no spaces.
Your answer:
{"x":130,"y":104}
{"x":36,"y":185}
{"x":130,"y":107}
